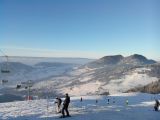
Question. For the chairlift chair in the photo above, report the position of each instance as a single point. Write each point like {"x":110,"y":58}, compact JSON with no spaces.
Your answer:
{"x":18,"y":86}
{"x":4,"y":81}
{"x":5,"y":71}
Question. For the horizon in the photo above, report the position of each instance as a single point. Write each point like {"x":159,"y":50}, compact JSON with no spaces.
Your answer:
{"x":80,"y":29}
{"x":78,"y":57}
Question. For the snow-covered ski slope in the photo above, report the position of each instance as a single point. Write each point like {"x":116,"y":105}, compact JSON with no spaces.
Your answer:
{"x":140,"y":107}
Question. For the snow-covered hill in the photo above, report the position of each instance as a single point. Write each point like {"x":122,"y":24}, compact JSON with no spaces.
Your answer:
{"x":113,"y":74}
{"x":117,"y":60}
{"x":98,"y":81}
{"x":20,"y":72}
{"x":23,"y":69}
{"x":140,"y":107}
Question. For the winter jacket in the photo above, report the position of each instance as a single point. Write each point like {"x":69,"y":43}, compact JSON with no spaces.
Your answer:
{"x":66,"y":101}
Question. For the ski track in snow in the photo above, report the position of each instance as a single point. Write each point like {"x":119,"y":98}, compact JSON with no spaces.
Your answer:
{"x":140,"y":107}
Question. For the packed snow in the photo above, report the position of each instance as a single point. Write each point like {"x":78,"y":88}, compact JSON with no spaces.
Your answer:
{"x":89,"y":85}
{"x":88,"y":88}
{"x":140,"y":107}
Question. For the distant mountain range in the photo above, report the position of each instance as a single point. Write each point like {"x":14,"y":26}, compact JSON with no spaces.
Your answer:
{"x":36,"y":69}
{"x":114,"y":74}
{"x":133,"y":60}
{"x":111,"y":74}
{"x":36,"y":60}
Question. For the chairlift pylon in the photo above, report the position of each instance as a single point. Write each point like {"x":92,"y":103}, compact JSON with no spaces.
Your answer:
{"x":5,"y":67}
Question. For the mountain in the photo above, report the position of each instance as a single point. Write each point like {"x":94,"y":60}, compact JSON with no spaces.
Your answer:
{"x":113,"y":74}
{"x":133,"y":60}
{"x":36,"y":60}
{"x":137,"y":60}
{"x":106,"y":60}
{"x":50,"y":64}
{"x":36,"y":70}
{"x":20,"y":72}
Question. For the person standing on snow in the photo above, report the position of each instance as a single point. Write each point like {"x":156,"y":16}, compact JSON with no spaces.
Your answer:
{"x":65,"y":106}
{"x":58,"y":102}
{"x":108,"y":100}
{"x":156,"y":106}
{"x":127,"y":102}
{"x":81,"y":99}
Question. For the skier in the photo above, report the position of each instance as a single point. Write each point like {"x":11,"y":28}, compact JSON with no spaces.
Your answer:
{"x":108,"y":100}
{"x":58,"y":102}
{"x":156,"y":106}
{"x":81,"y":99}
{"x":127,"y":102}
{"x":96,"y":101}
{"x":65,"y":106}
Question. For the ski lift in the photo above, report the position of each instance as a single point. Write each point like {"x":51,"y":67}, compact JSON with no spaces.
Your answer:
{"x":5,"y":67}
{"x":5,"y":71}
{"x":18,"y":86}
{"x":4,"y":81}
{"x":29,"y":97}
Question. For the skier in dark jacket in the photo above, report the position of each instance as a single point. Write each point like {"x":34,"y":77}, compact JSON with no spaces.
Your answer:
{"x":108,"y":100}
{"x":65,"y":106}
{"x":156,"y":106}
{"x":81,"y":99}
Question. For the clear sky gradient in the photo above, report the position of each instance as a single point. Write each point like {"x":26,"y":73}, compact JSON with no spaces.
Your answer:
{"x":80,"y":28}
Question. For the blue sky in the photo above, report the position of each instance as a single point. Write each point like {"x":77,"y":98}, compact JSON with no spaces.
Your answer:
{"x":80,"y":28}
